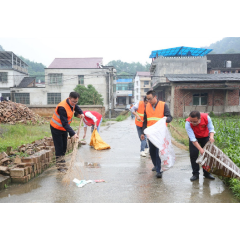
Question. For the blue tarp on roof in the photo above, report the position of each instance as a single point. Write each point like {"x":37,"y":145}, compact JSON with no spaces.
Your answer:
{"x":180,"y":51}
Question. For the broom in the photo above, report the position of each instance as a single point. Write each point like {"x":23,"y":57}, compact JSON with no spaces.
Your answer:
{"x":67,"y":177}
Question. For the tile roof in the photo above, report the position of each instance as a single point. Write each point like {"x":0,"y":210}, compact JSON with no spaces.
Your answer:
{"x":76,"y":63}
{"x":147,"y":74}
{"x":203,"y":77}
{"x":26,"y":82}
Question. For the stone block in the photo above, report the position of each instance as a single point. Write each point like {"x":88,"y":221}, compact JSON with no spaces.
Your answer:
{"x":17,"y":159}
{"x":26,"y":171}
{"x":3,"y":155}
{"x":5,"y":161}
{"x":27,"y":160}
{"x":17,"y":172}
{"x":29,"y":177}
{"x":22,"y":165}
{"x":4,"y":170}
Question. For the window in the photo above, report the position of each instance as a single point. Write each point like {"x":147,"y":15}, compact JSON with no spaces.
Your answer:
{"x":146,"y":83}
{"x":23,"y":98}
{"x":55,"y":78}
{"x":200,"y":99}
{"x":81,"y":79}
{"x":123,"y":86}
{"x":3,"y":77}
{"x":146,"y":89}
{"x":53,"y":98}
{"x":6,"y":96}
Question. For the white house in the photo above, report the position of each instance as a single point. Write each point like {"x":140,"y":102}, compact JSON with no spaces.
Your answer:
{"x":142,"y":84}
{"x":64,"y":74}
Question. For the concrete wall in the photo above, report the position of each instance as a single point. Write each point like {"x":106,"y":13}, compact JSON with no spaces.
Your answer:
{"x":38,"y":96}
{"x":47,"y":111}
{"x":14,"y":78}
{"x":173,"y":65}
{"x":96,"y":77}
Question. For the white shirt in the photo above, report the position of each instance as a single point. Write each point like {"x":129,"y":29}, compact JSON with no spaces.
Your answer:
{"x":190,"y":132}
{"x":89,"y":114}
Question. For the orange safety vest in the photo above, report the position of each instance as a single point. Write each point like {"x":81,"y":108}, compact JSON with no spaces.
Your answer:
{"x":140,"y":112}
{"x":154,"y":116}
{"x":55,"y":121}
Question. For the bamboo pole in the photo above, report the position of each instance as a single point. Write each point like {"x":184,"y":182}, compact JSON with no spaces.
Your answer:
{"x":67,"y":176}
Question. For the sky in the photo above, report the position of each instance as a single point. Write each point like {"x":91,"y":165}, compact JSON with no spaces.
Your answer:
{"x":44,"y":50}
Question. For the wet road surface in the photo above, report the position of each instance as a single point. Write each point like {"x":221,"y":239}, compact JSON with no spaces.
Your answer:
{"x":128,"y":177}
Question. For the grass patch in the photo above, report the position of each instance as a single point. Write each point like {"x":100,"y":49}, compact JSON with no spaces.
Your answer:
{"x":16,"y":135}
{"x":123,"y":117}
{"x":183,"y":138}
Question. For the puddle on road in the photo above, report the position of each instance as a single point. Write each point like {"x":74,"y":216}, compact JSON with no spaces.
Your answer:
{"x":18,"y":189}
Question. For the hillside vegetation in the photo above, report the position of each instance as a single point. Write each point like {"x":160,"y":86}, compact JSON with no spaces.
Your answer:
{"x":226,"y":45}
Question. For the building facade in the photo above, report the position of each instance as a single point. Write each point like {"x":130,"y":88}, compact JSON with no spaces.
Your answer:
{"x":124,"y":92}
{"x":12,"y":71}
{"x":223,"y":63}
{"x":217,"y":93}
{"x":62,"y":77}
{"x":142,"y":84}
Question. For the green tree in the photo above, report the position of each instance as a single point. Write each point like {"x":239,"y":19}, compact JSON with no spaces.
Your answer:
{"x":230,"y":51}
{"x":35,"y":69}
{"x":129,"y":68}
{"x":88,"y":95}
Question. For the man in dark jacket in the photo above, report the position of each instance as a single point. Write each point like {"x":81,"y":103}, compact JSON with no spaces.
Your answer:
{"x":60,"y":127}
{"x":155,"y":110}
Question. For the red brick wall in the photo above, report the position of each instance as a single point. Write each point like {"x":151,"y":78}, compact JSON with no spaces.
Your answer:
{"x":233,"y":97}
{"x":184,"y":95}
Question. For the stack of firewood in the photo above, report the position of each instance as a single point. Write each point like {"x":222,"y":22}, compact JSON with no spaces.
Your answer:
{"x":11,"y":113}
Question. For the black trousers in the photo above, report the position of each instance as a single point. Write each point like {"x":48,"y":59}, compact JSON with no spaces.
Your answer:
{"x":60,"y":141}
{"x":194,"y":152}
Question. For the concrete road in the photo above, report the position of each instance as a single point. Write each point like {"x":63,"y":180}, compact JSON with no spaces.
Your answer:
{"x":128,"y":177}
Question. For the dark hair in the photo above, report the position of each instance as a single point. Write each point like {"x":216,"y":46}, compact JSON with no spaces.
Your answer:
{"x":194,"y":114}
{"x":151,"y":92}
{"x":145,"y":99}
{"x":74,"y":95}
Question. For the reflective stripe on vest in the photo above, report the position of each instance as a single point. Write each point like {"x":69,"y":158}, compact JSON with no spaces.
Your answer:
{"x":141,"y":115}
{"x":150,"y":119}
{"x":69,"y":121}
{"x":60,"y":125}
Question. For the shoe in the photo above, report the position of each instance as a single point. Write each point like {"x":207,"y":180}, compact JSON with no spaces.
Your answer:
{"x":154,"y":169}
{"x":143,"y":154}
{"x":146,"y":150}
{"x":209,"y":176}
{"x":159,"y":175}
{"x":194,"y":177}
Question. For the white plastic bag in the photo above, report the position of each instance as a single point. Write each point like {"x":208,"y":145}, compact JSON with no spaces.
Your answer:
{"x":160,"y":137}
{"x":81,"y":183}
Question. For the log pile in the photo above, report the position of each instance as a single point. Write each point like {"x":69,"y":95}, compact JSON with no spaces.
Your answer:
{"x":12,"y":113}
